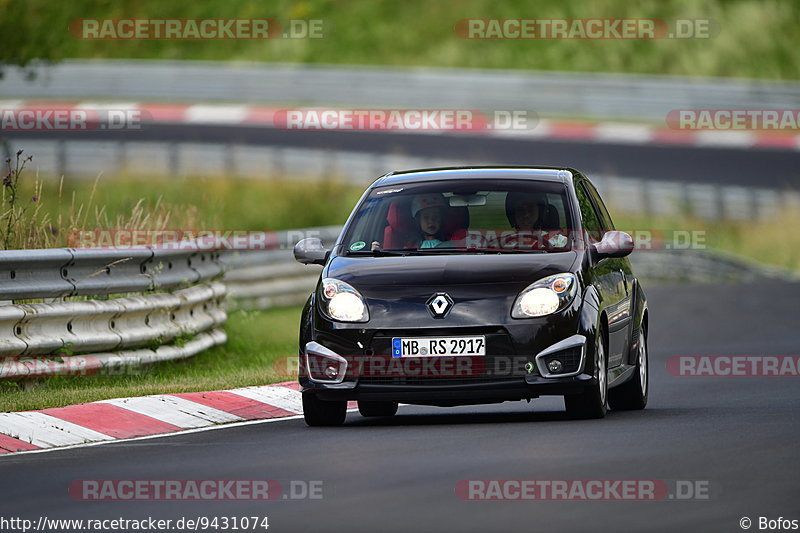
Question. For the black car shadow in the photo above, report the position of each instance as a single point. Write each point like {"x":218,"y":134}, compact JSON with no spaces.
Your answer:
{"x":517,"y":417}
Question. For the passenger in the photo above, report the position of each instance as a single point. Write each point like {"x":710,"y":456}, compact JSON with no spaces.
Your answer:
{"x":428,"y":211}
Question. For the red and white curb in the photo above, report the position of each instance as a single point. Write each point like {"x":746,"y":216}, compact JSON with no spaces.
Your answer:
{"x":128,"y":418}
{"x":564,"y":130}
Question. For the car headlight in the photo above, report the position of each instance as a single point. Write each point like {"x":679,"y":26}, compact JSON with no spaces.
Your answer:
{"x":547,"y":296}
{"x":341,"y":302}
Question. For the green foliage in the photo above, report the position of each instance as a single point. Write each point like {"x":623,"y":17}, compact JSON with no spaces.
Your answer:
{"x":757,"y":38}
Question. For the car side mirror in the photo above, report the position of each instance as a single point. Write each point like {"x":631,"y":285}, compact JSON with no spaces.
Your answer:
{"x":311,"y":252}
{"x":613,"y":244}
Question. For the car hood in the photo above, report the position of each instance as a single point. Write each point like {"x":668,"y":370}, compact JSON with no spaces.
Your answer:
{"x":482,"y":287}
{"x":441,"y":270}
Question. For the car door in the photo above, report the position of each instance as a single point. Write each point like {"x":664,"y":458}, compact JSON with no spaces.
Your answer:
{"x":608,"y":274}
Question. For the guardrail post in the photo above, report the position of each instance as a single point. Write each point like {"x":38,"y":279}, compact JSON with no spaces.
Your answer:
{"x":688,"y":202}
{"x":719,"y":202}
{"x":61,"y":158}
{"x":121,"y":157}
{"x":278,"y":161}
{"x":229,"y":162}
{"x":174,"y":159}
{"x":755,"y":214}
{"x":647,"y":197}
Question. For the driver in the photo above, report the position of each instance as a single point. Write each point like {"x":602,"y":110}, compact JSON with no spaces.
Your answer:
{"x":525,"y":212}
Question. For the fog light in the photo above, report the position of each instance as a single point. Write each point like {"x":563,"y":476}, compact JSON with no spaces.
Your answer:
{"x":331,"y":371}
{"x":554,"y":366}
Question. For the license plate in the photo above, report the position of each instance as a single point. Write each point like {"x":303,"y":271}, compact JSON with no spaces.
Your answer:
{"x":438,"y":346}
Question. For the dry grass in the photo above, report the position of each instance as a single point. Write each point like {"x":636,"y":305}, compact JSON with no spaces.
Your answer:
{"x":38,"y":216}
{"x":164,"y":203}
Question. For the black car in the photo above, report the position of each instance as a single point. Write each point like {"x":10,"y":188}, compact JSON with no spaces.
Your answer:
{"x":474,"y":285}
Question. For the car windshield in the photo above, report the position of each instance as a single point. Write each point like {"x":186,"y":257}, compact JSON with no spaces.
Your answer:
{"x":462,"y":216}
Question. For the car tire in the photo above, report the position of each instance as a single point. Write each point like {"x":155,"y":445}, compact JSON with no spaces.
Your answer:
{"x":632,"y":395}
{"x":593,"y":401}
{"x":318,"y":412}
{"x":371,"y":409}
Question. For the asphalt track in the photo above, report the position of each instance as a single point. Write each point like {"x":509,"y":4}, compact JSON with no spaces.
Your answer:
{"x":761,"y":167}
{"x":738,"y":435}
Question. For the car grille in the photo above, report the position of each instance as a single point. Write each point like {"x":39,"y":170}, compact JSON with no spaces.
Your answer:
{"x":401,"y":381}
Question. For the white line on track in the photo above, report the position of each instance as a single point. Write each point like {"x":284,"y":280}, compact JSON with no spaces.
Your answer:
{"x":175,"y":410}
{"x":283,"y":397}
{"x":148,"y":437}
{"x":44,"y":430}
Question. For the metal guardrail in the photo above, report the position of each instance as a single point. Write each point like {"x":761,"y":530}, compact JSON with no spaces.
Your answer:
{"x":109,"y":362}
{"x":545,"y":92}
{"x":142,"y":324}
{"x":55,"y":273}
{"x":132,"y":329}
{"x":103,"y":325}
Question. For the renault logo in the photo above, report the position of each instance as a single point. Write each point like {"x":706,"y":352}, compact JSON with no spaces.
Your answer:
{"x":440,"y":304}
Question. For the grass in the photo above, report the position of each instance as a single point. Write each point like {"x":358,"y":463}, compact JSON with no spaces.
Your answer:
{"x":159,"y":203}
{"x":259,"y":343}
{"x":753,"y":38}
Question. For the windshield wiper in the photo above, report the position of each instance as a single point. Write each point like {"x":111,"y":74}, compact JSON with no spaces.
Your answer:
{"x":517,"y":251}
{"x":380,"y":253}
{"x":481,"y":251}
{"x":424,"y":251}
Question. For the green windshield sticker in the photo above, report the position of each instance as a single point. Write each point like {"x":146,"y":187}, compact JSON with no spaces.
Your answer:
{"x":357,"y":246}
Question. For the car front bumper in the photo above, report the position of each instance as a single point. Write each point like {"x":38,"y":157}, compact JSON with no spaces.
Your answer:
{"x":516,"y":382}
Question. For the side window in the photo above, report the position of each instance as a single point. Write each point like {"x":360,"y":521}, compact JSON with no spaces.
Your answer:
{"x":591,"y":220}
{"x":605,"y":218}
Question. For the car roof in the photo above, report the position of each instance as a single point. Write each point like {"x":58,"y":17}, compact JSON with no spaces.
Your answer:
{"x":555,"y":174}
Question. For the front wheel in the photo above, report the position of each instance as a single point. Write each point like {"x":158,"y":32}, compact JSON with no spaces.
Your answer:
{"x":318,"y":412}
{"x":593,"y":401}
{"x":632,"y":395}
